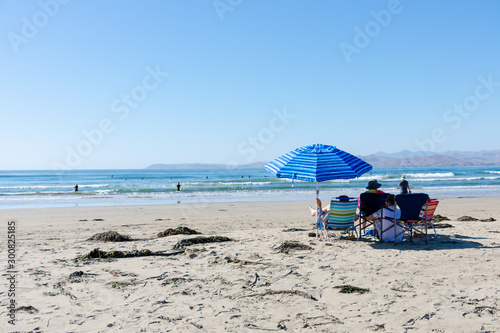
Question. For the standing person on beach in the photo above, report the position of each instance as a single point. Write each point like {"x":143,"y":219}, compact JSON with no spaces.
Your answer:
{"x":405,"y":187}
{"x":179,"y":186}
{"x":76,"y":188}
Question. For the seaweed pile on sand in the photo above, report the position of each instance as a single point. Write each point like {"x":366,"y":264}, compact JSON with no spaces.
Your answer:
{"x":178,"y":231}
{"x":439,"y":218}
{"x":288,"y":246}
{"x":348,"y":289}
{"x":200,"y":240}
{"x":473,"y":219}
{"x":110,"y":236}
{"x":177,"y":249}
{"x":98,"y":254}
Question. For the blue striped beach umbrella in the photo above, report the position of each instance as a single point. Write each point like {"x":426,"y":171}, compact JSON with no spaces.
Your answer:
{"x":317,"y":163}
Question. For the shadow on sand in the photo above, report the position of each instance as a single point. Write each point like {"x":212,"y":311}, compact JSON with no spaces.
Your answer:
{"x":440,"y":242}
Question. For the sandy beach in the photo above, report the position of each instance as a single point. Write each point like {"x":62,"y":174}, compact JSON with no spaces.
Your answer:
{"x":246,"y":284}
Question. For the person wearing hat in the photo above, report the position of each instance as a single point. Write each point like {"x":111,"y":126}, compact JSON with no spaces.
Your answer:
{"x":373,"y":186}
{"x":405,"y":187}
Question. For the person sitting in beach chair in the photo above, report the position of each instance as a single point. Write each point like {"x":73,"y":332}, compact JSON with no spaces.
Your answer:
{"x":324,"y":212}
{"x":368,"y":204}
{"x":321,"y":211}
{"x":342,"y":213}
{"x":372,"y":187}
{"x":386,"y":228}
{"x":338,"y":215}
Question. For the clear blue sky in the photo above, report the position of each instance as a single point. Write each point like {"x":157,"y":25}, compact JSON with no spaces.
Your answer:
{"x":124,"y":84}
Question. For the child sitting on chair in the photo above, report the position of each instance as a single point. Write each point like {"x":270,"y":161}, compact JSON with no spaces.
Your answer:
{"x":323,"y":212}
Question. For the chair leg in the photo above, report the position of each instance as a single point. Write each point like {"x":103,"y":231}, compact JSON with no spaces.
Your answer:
{"x":381,"y":236}
{"x":432,"y":225}
{"x":326,"y":231}
{"x":395,"y":235}
{"x":425,"y":232}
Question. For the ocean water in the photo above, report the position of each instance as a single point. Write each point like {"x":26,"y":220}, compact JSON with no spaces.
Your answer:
{"x":45,"y":188}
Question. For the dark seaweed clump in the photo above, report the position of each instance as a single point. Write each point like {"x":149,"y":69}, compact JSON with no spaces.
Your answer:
{"x":288,"y":246}
{"x":200,"y":240}
{"x":110,"y":236}
{"x":439,"y":218}
{"x":178,"y":231}
{"x":76,"y":275}
{"x":467,"y":218}
{"x":96,"y":253}
{"x":348,"y":289}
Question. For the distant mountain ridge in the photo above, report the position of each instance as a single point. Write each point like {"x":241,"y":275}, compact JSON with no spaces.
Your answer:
{"x":426,"y":159}
{"x":404,"y":158}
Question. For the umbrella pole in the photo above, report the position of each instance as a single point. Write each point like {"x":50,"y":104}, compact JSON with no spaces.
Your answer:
{"x":317,"y":215}
{"x":318,"y":222}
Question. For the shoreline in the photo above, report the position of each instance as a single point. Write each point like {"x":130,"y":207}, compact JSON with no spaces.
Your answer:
{"x":202,"y":198}
{"x":450,"y":206}
{"x":245,"y":284}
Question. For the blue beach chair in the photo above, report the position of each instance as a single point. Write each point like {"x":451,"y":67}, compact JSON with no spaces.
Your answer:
{"x":414,"y":212}
{"x":342,"y":213}
{"x":340,"y":217}
{"x":369,"y":203}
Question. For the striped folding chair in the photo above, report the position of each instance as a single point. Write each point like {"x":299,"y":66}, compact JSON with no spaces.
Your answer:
{"x":427,"y":215}
{"x":342,"y":214}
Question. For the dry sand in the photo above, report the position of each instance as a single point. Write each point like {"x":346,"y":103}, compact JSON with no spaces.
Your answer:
{"x":449,"y":285}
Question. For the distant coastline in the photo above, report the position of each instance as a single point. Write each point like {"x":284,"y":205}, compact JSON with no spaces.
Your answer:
{"x":425,"y":159}
{"x":380,"y":159}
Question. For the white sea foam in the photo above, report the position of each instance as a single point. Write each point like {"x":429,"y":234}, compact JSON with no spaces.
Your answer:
{"x":430,"y":174}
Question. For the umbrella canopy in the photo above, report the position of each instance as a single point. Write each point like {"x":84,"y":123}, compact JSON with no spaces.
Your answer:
{"x":317,"y":163}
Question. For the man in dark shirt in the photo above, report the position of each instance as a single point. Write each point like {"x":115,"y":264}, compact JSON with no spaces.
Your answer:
{"x":405,"y":187}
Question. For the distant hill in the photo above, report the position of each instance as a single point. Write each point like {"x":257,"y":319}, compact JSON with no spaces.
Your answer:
{"x":402,"y":154}
{"x":423,"y":159}
{"x":402,"y":159}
